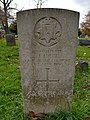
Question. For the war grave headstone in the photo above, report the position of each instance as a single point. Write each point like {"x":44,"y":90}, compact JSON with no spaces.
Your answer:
{"x":47,"y":43}
{"x":10,"y":40}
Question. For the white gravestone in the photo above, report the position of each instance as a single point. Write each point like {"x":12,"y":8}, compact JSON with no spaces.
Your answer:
{"x":47,"y":42}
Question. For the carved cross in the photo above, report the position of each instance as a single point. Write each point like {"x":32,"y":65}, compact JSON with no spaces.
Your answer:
{"x":47,"y":80}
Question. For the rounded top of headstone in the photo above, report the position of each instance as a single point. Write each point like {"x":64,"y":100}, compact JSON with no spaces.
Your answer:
{"x":48,"y":9}
{"x":47,"y":25}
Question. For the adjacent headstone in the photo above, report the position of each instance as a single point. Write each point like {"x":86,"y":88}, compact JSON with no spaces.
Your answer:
{"x":83,"y":64}
{"x":2,"y":33}
{"x":1,"y":36}
{"x":84,"y":42}
{"x":86,"y":36}
{"x":47,"y":42}
{"x":82,"y":36}
{"x":10,"y":39}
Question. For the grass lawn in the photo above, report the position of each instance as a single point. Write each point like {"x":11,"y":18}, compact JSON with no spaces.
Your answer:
{"x":85,"y":38}
{"x":11,"y":107}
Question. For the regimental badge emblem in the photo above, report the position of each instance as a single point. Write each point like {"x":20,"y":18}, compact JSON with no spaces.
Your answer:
{"x":47,"y":31}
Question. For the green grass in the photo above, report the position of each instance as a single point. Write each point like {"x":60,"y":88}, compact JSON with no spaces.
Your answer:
{"x":83,"y":53}
{"x":11,"y":106}
{"x":84,"y":38}
{"x":10,"y":84}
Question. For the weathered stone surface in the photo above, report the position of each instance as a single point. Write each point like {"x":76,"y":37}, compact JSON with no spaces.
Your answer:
{"x":47,"y":42}
{"x":10,"y":40}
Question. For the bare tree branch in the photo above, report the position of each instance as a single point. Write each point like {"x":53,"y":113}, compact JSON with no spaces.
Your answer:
{"x":10,"y":8}
{"x":8,"y":3}
{"x":39,"y":3}
{"x":1,"y":1}
{"x":6,"y":7}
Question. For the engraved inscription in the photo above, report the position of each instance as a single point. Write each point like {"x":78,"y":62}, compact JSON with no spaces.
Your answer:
{"x":49,"y":57}
{"x":47,"y":31}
